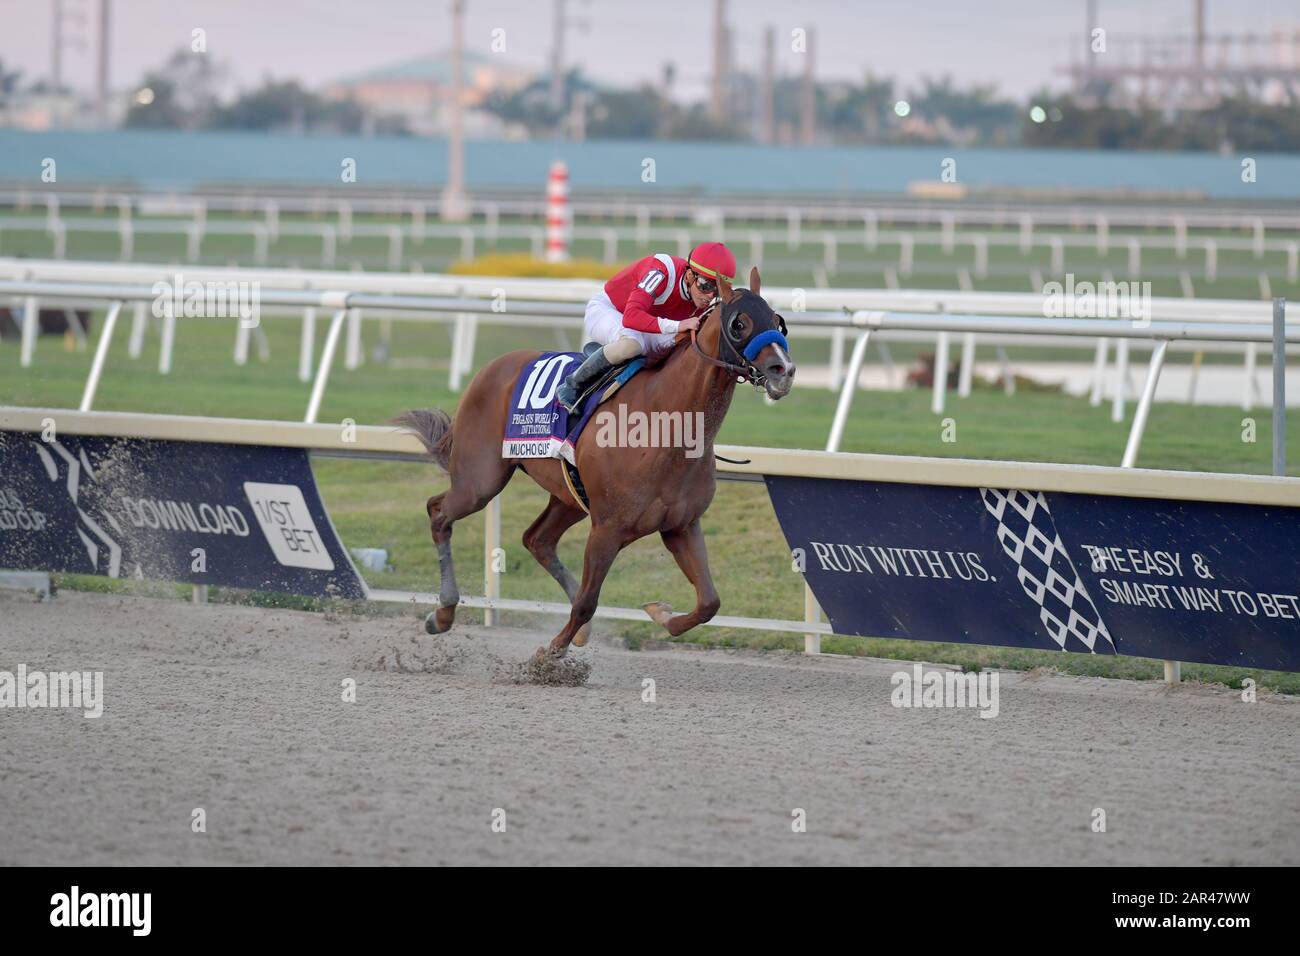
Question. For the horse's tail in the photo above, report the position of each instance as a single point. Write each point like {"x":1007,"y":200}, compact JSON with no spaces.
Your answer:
{"x":433,"y":427}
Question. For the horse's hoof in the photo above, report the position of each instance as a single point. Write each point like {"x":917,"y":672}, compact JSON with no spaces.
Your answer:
{"x":440,"y":621}
{"x":584,"y":632}
{"x":659,"y":611}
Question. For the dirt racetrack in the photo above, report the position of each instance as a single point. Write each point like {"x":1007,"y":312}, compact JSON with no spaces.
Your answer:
{"x":239,"y":711}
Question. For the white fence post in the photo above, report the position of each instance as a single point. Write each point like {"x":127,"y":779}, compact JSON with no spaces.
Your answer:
{"x":352,"y":354}
{"x":1098,"y":373}
{"x":830,"y":251}
{"x":1144,"y":404}
{"x":1026,"y":233}
{"x":326,"y":359}
{"x":167,"y":338}
{"x":101,"y":356}
{"x":812,"y":643}
{"x":243,"y":334}
{"x":459,"y":331}
{"x":139,"y":321}
{"x":906,"y":250}
{"x":981,"y":244}
{"x":1248,"y":389}
{"x":1058,"y":255}
{"x":394,"y":248}
{"x":967,"y":365}
{"x":467,"y":344}
{"x":847,"y":390}
{"x":837,"y":359}
{"x":126,"y":235}
{"x":307,"y":346}
{"x":31,"y":329}
{"x":940,"y":389}
{"x":1121,"y":380}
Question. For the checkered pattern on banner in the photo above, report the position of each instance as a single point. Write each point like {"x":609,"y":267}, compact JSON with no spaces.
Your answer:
{"x":1043,"y":566}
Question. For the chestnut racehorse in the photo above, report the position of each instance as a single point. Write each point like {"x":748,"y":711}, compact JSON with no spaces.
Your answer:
{"x":633,"y":491}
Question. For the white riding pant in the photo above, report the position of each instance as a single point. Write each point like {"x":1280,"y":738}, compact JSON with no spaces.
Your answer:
{"x":603,"y":323}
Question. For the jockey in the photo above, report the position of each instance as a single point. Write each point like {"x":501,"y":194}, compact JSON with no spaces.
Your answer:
{"x":641,"y":310}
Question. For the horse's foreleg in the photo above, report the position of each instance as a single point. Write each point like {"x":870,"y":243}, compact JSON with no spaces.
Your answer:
{"x":687,"y":547}
{"x":541,"y":539}
{"x":603,"y":545}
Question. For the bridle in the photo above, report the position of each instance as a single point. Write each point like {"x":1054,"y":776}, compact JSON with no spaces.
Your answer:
{"x":742,"y":351}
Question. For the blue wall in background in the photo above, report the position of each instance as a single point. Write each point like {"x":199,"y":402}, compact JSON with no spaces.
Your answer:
{"x":182,"y":160}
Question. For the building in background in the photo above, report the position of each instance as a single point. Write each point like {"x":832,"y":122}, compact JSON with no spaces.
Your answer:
{"x":40,"y":108}
{"x":418,"y":92}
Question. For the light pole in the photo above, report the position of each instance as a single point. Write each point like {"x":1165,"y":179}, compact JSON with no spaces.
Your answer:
{"x":454,"y":207}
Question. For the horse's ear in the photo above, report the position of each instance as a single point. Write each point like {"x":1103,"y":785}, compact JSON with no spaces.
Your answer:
{"x":753,"y":280}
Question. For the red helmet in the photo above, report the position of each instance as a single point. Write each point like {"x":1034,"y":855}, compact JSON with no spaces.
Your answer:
{"x":713,"y":260}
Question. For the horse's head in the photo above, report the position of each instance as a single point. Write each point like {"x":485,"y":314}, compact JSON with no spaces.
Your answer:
{"x":753,"y":336}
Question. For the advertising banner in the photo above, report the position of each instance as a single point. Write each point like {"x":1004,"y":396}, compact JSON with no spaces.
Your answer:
{"x":1096,"y":574}
{"x":233,"y":515}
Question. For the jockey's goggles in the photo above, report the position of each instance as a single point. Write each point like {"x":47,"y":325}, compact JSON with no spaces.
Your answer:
{"x":705,"y":285}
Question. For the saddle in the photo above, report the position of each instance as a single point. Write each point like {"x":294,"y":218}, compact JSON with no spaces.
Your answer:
{"x":539,"y":427}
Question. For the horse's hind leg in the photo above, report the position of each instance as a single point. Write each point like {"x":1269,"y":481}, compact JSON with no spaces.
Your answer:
{"x":448,"y":593}
{"x":541,"y":539}
{"x":461,"y":499}
{"x":687,"y":547}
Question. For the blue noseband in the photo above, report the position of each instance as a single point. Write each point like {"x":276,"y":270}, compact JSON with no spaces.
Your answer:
{"x":762,"y":341}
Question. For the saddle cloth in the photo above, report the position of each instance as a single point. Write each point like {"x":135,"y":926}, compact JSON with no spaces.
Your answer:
{"x":540,"y":427}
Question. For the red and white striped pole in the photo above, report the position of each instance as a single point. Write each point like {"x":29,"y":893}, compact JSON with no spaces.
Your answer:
{"x":557,"y":213}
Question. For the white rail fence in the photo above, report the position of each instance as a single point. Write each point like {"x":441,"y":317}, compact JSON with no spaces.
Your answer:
{"x":411,"y":203}
{"x":469,"y":301}
{"x":792,"y":302}
{"x":965,"y":254}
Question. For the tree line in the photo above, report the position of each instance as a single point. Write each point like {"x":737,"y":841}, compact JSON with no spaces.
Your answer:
{"x":182,"y":94}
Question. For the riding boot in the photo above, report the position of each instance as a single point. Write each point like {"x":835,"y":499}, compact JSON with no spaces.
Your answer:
{"x":576,"y":383}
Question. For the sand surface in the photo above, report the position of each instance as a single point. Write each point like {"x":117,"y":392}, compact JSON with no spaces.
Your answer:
{"x":239,"y":711}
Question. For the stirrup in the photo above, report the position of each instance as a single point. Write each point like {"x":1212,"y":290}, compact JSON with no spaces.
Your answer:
{"x":562,"y":396}
{"x":582,"y":378}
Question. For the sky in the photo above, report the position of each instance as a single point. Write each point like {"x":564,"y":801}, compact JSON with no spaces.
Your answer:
{"x":1018,"y":45}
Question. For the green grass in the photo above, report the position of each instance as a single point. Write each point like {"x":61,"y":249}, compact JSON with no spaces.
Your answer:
{"x":380,"y":504}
